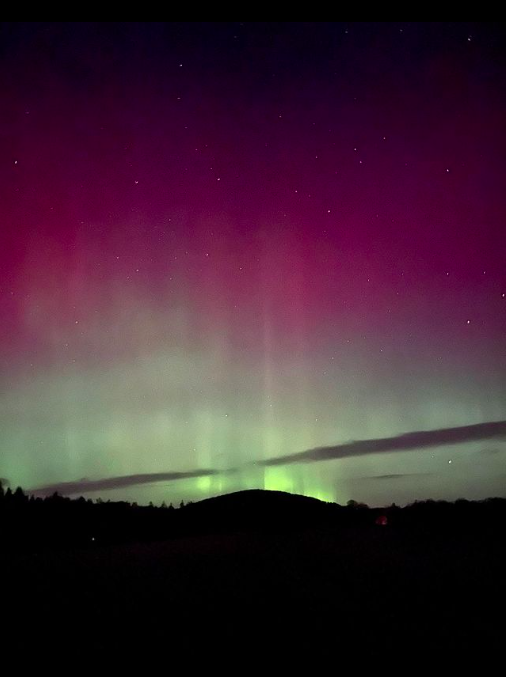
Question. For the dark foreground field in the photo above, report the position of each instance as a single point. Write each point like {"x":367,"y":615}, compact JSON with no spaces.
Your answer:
{"x":374,"y":589}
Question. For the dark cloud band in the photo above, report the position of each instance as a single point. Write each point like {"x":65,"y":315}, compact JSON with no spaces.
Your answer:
{"x":407,"y":442}
{"x":107,"y":483}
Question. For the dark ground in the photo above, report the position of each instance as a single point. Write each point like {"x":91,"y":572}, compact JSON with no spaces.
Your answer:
{"x":373,"y":588}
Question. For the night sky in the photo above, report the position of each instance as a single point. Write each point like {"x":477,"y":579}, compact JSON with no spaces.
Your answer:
{"x":226,"y":244}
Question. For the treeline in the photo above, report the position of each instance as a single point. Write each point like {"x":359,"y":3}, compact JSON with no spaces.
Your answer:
{"x":29,"y":523}
{"x":36,"y":523}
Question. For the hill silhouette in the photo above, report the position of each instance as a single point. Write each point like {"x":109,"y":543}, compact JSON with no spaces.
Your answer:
{"x":260,"y":508}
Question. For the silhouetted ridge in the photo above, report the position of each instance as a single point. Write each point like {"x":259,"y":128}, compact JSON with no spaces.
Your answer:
{"x":259,"y":507}
{"x":259,"y":499}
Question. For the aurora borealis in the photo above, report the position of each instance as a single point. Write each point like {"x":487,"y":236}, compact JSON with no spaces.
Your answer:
{"x":223,"y":243}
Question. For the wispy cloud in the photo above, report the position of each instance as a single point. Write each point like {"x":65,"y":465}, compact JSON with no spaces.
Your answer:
{"x":394,"y":476}
{"x":85,"y":486}
{"x":419,"y":439}
{"x":492,"y":451}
